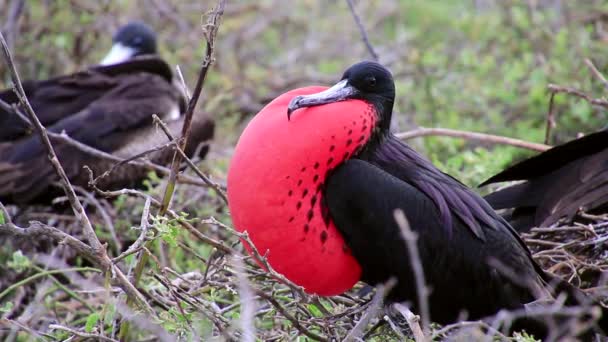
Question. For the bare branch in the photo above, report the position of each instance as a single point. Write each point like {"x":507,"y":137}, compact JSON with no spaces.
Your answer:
{"x":490,"y":138}
{"x":572,"y":91}
{"x":216,"y":187}
{"x":372,"y":311}
{"x":82,"y":334}
{"x":79,"y":212}
{"x":364,"y":36}
{"x":410,"y":238}
{"x":596,"y":73}
{"x":210,"y":35}
{"x":412,"y":321}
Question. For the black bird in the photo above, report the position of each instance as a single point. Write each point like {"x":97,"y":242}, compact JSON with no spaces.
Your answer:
{"x":558,"y":183}
{"x":107,"y":107}
{"x":59,"y":97}
{"x":355,"y":173}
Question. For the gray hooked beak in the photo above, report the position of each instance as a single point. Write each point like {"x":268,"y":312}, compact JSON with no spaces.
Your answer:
{"x":341,"y":91}
{"x":118,"y":54}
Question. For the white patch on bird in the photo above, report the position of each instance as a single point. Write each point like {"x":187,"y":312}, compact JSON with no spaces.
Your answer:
{"x":118,"y":54}
{"x":174,"y":113}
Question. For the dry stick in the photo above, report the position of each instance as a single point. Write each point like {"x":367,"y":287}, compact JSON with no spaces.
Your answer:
{"x":82,"y":334}
{"x":364,"y":36}
{"x":216,"y":187}
{"x":210,"y":35}
{"x":244,"y":236}
{"x":296,"y":323}
{"x":596,"y":73}
{"x":79,"y":212}
{"x":99,"y":255}
{"x":410,"y":238}
{"x":247,"y":300}
{"x":412,"y":321}
{"x":572,"y":91}
{"x":494,"y":139}
{"x":376,"y":303}
{"x":550,"y":119}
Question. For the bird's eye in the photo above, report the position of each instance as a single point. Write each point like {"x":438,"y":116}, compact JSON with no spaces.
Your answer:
{"x":371,"y":81}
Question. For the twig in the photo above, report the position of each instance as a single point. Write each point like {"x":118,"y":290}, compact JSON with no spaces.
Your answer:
{"x":44,"y":273}
{"x":372,"y":311}
{"x":244,"y":236}
{"x":494,"y":139}
{"x":79,"y":212}
{"x":82,"y":334}
{"x":550,"y":119}
{"x":410,"y":238}
{"x":572,"y":91}
{"x":302,"y":329}
{"x":210,"y":35}
{"x":412,"y":320}
{"x":364,"y":36}
{"x":247,"y":300}
{"x":216,"y":187}
{"x":596,"y":72}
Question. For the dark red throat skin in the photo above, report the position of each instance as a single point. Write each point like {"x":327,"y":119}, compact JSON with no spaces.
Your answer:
{"x":275,"y":187}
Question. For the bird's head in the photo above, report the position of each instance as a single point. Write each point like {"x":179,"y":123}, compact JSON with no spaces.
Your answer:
{"x":133,"y":39}
{"x":367,"y":81}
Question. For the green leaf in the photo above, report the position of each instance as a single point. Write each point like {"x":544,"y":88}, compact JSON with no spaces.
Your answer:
{"x":20,"y":262}
{"x":109,"y":314}
{"x":2,"y":221}
{"x":314,"y":310}
{"x":7,"y":307}
{"x":91,"y":322}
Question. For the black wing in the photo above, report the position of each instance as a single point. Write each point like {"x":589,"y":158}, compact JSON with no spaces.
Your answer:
{"x":554,"y":158}
{"x":362,"y":198}
{"x":107,"y":124}
{"x":559,"y":182}
{"x":60,"y":97}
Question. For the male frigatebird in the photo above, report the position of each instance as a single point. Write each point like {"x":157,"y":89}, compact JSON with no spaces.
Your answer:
{"x":558,"y":183}
{"x":316,"y":190}
{"x":108,"y":107}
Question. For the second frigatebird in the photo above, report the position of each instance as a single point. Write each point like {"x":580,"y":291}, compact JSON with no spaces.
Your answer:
{"x":317,"y":191}
{"x":558,"y":183}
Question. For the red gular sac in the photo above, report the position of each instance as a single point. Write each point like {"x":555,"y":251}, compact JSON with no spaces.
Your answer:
{"x":275,"y":187}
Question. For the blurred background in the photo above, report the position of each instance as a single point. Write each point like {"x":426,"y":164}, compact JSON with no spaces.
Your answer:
{"x":479,"y":65}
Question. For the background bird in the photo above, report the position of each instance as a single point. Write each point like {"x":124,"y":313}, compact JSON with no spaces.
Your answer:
{"x":558,"y":183}
{"x":327,"y":183}
{"x":107,"y":107}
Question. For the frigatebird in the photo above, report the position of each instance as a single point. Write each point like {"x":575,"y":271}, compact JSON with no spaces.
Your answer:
{"x":317,"y":191}
{"x":62,"y":96}
{"x":558,"y":183}
{"x":107,"y":107}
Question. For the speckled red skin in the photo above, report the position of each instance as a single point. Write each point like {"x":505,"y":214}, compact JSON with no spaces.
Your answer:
{"x":275,"y":186}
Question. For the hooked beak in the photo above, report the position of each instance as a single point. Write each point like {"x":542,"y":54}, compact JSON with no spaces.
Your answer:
{"x":118,"y":54}
{"x":341,"y":91}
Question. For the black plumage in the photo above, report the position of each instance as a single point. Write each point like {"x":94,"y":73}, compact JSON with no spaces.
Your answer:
{"x":461,"y":239}
{"x":107,"y":107}
{"x":557,"y":183}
